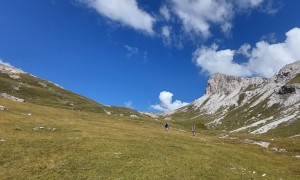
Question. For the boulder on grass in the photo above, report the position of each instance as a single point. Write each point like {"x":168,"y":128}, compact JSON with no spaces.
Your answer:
{"x":2,"y":108}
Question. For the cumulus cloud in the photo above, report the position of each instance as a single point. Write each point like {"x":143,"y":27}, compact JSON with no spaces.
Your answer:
{"x":245,"y":50}
{"x":126,"y":12}
{"x":211,"y":60}
{"x":197,"y":16}
{"x":263,"y":60}
{"x":166,"y":102}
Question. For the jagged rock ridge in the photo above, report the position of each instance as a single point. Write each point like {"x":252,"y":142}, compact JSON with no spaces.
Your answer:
{"x":233,"y":102}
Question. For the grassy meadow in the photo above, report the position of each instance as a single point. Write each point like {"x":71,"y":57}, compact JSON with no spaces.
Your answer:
{"x":39,"y":142}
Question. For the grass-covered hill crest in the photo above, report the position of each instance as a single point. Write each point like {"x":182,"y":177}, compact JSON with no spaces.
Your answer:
{"x":20,"y":86}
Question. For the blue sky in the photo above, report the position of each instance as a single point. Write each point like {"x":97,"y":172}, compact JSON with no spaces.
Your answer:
{"x":147,"y":55}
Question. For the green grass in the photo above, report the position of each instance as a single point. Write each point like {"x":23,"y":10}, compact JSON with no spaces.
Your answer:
{"x":242,"y":115}
{"x":287,"y":129}
{"x":241,"y":98}
{"x":251,"y":88}
{"x":188,"y":118}
{"x":296,"y":79}
{"x":50,"y":95}
{"x":87,"y":145}
{"x":81,"y":141}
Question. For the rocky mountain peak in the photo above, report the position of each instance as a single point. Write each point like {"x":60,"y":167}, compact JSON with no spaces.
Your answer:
{"x":254,"y":105}
{"x":226,"y":84}
{"x":287,"y":72}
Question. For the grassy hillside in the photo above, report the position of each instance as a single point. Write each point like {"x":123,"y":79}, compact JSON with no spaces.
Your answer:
{"x":38,"y":142}
{"x":44,"y":93}
{"x":57,"y":134}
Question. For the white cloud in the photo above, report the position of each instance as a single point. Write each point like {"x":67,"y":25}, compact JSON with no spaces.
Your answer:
{"x":131,"y":50}
{"x":248,"y":3}
{"x":245,"y":50}
{"x":129,"y":104}
{"x":166,"y":103}
{"x":126,"y":12}
{"x":197,"y":16}
{"x":212,"y":61}
{"x":164,"y":11}
{"x":263,"y":60}
{"x":166,"y":33}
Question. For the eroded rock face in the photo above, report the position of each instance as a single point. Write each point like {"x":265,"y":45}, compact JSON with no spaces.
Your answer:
{"x":11,"y":71}
{"x":287,"y":90}
{"x":287,"y":72}
{"x":225,"y":84}
{"x":253,"y":105}
{"x":224,"y":92}
{"x":13,"y":98}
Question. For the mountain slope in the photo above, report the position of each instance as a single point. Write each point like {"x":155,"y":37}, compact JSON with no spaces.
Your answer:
{"x":21,"y":86}
{"x":255,"y":105}
{"x":56,"y":142}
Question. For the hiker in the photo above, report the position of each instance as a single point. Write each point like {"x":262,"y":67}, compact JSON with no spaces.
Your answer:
{"x":193,"y":130}
{"x":167,"y":126}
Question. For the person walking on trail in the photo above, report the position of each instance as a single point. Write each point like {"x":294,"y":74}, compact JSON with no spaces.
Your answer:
{"x":193,"y":130}
{"x":167,"y":126}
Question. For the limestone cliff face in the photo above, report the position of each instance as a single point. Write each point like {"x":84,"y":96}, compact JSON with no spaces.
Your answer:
{"x":250,"y":99}
{"x":225,"y":84}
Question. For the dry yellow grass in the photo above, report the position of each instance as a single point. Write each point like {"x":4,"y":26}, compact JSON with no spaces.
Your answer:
{"x":85,"y":145}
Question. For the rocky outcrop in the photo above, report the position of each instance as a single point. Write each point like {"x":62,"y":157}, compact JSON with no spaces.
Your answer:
{"x":287,"y":73}
{"x":2,"y":108}
{"x":251,"y":99}
{"x":11,"y":71}
{"x":286,"y":89}
{"x":226,"y":91}
{"x":13,"y":98}
{"x":225,"y":84}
